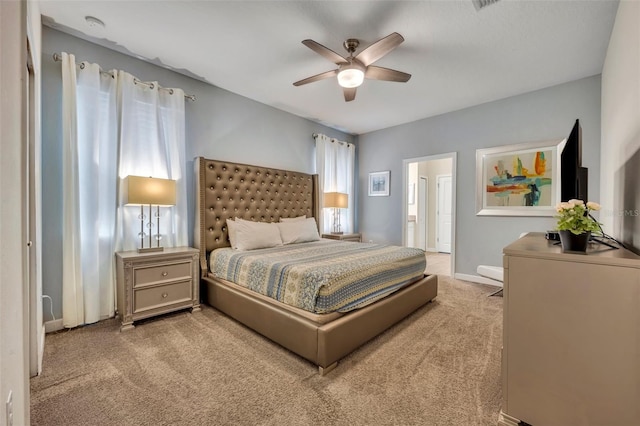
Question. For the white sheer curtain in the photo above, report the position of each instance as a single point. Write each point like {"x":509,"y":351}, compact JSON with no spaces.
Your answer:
{"x":152,"y":138}
{"x":112,"y":127}
{"x":89,"y":192}
{"x":335,"y":164}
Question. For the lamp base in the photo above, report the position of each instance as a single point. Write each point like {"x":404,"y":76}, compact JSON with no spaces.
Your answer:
{"x":337,"y":233}
{"x":150,"y":249}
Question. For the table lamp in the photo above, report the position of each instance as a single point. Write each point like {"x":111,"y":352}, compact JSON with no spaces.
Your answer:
{"x":336,"y":201}
{"x":149,"y":191}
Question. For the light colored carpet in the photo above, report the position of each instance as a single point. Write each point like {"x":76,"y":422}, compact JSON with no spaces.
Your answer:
{"x":438,"y":263}
{"x":440,"y":366}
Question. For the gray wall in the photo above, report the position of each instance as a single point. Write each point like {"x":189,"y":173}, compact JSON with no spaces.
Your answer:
{"x":219,"y":124}
{"x":541,"y":115}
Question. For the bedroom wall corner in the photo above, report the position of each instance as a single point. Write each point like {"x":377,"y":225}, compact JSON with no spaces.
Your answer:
{"x":620,"y":149}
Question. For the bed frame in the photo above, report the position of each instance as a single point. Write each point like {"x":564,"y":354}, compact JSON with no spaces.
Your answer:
{"x":227,"y":190}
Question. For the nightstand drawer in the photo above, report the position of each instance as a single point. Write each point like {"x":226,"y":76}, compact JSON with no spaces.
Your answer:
{"x":157,"y":297}
{"x":144,"y":276}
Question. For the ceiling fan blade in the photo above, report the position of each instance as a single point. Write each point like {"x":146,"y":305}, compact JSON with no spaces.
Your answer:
{"x":316,"y":77}
{"x":386,"y":74}
{"x":324,"y":51}
{"x":349,"y":94}
{"x":380,"y":48}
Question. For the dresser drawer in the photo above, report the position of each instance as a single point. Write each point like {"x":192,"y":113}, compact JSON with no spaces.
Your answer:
{"x":156,"y":297}
{"x":149,"y":275}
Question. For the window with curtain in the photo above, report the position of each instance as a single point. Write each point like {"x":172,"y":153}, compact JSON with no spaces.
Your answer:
{"x":335,"y":164}
{"x":152,"y":143}
{"x":113,"y":126}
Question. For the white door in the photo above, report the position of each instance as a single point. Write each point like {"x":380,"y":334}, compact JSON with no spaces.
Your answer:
{"x":423,"y":210}
{"x":444,"y":214}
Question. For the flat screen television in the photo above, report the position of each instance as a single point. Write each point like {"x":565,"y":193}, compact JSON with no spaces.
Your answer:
{"x":573,"y":177}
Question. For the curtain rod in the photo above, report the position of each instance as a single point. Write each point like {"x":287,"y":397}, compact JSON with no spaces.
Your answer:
{"x":58,"y":58}
{"x":315,"y":135}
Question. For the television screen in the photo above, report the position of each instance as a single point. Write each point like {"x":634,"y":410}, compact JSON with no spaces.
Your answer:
{"x":573,"y":177}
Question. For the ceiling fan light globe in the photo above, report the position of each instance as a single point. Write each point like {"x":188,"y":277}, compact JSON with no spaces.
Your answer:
{"x":350,"y":77}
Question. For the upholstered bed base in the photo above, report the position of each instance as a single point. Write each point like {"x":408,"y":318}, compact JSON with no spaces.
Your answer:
{"x":322,"y":343}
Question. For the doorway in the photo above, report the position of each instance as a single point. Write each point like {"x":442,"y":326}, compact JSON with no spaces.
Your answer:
{"x":429,"y":207}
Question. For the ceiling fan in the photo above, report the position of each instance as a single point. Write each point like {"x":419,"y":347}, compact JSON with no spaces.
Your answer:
{"x":352,"y":71}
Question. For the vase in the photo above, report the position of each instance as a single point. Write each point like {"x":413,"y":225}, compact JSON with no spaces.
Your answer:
{"x":573,"y":242}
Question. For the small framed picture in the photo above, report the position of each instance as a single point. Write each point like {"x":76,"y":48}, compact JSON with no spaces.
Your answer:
{"x":379,"y":184}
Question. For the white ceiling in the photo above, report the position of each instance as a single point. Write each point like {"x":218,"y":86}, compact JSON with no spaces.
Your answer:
{"x":458,"y":56}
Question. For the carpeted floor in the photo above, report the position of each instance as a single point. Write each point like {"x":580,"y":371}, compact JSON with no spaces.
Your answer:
{"x":440,"y":366}
{"x":438,"y":263}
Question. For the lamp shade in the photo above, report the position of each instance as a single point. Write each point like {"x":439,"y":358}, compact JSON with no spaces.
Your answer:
{"x":337,"y":200}
{"x":140,"y":190}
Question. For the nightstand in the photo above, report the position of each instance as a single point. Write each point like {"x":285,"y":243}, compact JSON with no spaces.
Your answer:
{"x":344,"y":237}
{"x":155,"y":283}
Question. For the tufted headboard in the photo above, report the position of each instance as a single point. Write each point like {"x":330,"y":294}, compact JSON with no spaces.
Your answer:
{"x":227,"y":190}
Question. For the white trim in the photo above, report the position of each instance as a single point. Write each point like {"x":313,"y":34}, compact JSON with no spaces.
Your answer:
{"x":43,"y":332}
{"x":53,"y":325}
{"x":438,"y":194}
{"x":431,"y":249}
{"x":506,"y":420}
{"x":425,"y":212}
{"x":477,"y":279}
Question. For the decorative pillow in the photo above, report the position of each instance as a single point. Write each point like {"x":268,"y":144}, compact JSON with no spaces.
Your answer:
{"x":298,"y":231}
{"x":293,"y":219}
{"x":254,"y":235}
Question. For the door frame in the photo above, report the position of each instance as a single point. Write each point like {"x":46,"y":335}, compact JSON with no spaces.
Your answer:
{"x":405,"y":180}
{"x":438,"y":193}
{"x":425,"y":213}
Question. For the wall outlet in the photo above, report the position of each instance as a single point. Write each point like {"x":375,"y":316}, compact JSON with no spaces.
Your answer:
{"x":9,"y":409}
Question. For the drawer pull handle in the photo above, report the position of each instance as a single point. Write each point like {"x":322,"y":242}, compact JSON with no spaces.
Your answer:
{"x":164,"y":274}
{"x":164,"y":295}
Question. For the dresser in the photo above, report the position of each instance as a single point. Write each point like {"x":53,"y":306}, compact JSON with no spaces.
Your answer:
{"x":571,"y":335}
{"x":344,"y":237}
{"x":155,"y":283}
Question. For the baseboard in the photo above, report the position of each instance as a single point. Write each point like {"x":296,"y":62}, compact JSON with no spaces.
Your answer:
{"x":431,"y":249}
{"x":54,"y":325}
{"x":506,"y":420}
{"x":477,"y":279}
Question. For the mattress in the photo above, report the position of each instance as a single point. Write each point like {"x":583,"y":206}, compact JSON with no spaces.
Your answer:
{"x":321,"y":276}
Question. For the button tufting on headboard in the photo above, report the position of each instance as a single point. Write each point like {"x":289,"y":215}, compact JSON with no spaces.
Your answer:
{"x":261,"y":198}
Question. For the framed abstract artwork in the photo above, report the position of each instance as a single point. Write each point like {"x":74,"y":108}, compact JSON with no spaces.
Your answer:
{"x":379,"y":184}
{"x":518,"y":180}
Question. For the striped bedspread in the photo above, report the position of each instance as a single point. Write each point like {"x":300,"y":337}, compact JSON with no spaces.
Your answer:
{"x":321,"y":276}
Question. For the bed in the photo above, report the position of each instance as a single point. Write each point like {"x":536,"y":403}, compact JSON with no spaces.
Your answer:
{"x":226,"y":190}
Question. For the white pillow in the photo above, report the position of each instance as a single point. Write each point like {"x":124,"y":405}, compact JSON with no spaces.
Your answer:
{"x":293,"y":219}
{"x":254,"y":235}
{"x":231,"y":231}
{"x":298,"y":231}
